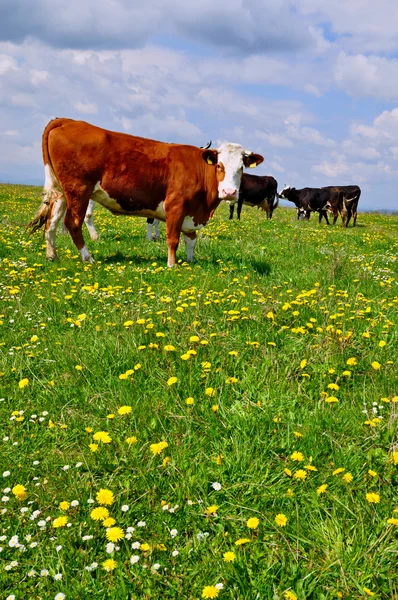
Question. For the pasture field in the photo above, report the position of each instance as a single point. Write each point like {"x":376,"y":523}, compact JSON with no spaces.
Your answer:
{"x":222,"y":430}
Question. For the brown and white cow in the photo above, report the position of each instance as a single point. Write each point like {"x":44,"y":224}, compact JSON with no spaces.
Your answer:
{"x":179,"y":184}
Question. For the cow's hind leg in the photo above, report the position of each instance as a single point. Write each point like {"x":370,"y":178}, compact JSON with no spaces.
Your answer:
{"x":149,"y":224}
{"x":57,"y":211}
{"x":77,"y":202}
{"x":190,"y":243}
{"x":89,"y":221}
{"x":231,"y":211}
{"x":156,"y":237}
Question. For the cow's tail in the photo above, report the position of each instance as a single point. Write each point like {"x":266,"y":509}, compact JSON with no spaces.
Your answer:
{"x":352,"y":201}
{"x":276,"y":200}
{"x":51,"y":190}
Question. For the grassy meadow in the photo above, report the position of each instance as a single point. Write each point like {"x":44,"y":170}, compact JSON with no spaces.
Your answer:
{"x":226,"y":429}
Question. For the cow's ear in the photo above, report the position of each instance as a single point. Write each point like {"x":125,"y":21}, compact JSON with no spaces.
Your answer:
{"x":253,"y":160}
{"x":210,"y":156}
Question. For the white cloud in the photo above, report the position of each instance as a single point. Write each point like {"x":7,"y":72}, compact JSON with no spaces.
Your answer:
{"x":38,"y":77}
{"x":362,"y":75}
{"x":7,"y":63}
{"x":86,"y":108}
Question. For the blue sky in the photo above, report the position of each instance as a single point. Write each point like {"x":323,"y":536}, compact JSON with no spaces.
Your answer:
{"x":310,"y":84}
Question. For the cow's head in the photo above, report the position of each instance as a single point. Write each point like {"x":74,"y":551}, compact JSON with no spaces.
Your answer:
{"x":286,"y":193}
{"x":230,"y":160}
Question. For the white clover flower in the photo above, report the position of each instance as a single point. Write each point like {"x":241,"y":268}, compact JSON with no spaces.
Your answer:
{"x":141,"y":524}
{"x":110,"y":547}
{"x":13,"y":543}
{"x":44,"y":572}
{"x":85,"y":538}
{"x":219,"y":586}
{"x":66,"y":467}
{"x":11,"y":596}
{"x":7,"y":490}
{"x":28,"y":537}
{"x":5,"y":498}
{"x":74,"y":503}
{"x":6,"y":473}
{"x":216,"y":486}
{"x":14,"y":563}
{"x":125,"y":508}
{"x":58,"y":576}
{"x":3,"y":538}
{"x":175,"y":553}
{"x":32,"y":573}
{"x":36,"y":462}
{"x":58,"y":548}
{"x":136,"y":545}
{"x":24,"y":509}
{"x":8,"y":568}
{"x":42,"y":523}
{"x":79,"y":464}
{"x":44,"y":413}
{"x":128,"y":536}
{"x":94,"y":565}
{"x":130,"y":529}
{"x":33,"y":545}
{"x":173,"y":533}
{"x":134,"y":559}
{"x":90,"y":501}
{"x":59,"y":596}
{"x":165,"y":507}
{"x":156,"y":566}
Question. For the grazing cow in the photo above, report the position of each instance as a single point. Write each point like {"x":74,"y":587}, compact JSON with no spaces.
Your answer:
{"x":347,"y":205}
{"x":309,"y":200}
{"x":134,"y":176}
{"x":260,"y":191}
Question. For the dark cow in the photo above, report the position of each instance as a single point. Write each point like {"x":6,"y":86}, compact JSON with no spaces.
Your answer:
{"x":309,"y":200}
{"x":260,"y":191}
{"x":347,"y":206}
{"x":341,"y":200}
{"x":135,"y":176}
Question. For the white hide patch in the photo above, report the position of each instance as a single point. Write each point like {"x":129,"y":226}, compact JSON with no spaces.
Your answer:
{"x":188,"y":225}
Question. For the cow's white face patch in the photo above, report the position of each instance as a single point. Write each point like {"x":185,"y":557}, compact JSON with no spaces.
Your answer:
{"x":231,"y":157}
{"x":285,"y":189}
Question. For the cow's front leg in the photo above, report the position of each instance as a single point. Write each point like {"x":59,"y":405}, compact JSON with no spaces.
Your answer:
{"x":231,"y":211}
{"x":157,"y":232}
{"x":190,"y":243}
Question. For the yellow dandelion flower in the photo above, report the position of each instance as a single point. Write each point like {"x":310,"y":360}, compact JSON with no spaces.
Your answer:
{"x":333,"y":386}
{"x":105,"y":496}
{"x":114,"y":534}
{"x":124,"y":410}
{"x":145,"y":547}
{"x":392,"y":521}
{"x":322,"y":489}
{"x":165,"y":461}
{"x":290,"y":493}
{"x":131,"y":440}
{"x":281,"y":520}
{"x":368,"y":592}
{"x":100,"y":513}
{"x":194,"y":338}
{"x":394,"y":457}
{"x":169,"y":348}
{"x":109,"y":522}
{"x":331,"y":399}
{"x":351,"y":362}
{"x":78,"y":367}
{"x":290,"y":595}
{"x":297,"y":456}
{"x":60,"y":522}
{"x":93,"y":447}
{"x":376,"y":365}
{"x":382,"y":343}
{"x":211,"y":510}
{"x":102,"y":436}
{"x":310,"y":468}
{"x":242,"y":541}
{"x":34,"y":338}
{"x":214,"y":408}
{"x":158,"y":448}
{"x":23,"y":383}
{"x":210,"y":392}
{"x":288,"y":472}
{"x":372,"y":498}
{"x":338,"y":471}
{"x":210,"y":591}
{"x":372,"y":473}
{"x":252,"y":523}
{"x":300,"y":474}
{"x":172,"y":380}
{"x":19,"y":491}
{"x":346,"y":373}
{"x":229,"y":556}
{"x":219,"y":459}
{"x":303,"y":363}
{"x":347,"y":477}
{"x":109,"y":564}
{"x":189,"y":401}
{"x":298,"y":434}
{"x":64,"y":505}
{"x":89,"y":429}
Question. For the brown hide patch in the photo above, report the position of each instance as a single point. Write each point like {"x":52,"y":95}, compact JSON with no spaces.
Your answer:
{"x":220,"y":172}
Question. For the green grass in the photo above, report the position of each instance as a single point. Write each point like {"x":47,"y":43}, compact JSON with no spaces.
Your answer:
{"x":276,"y":293}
